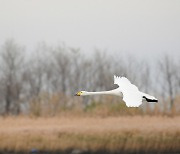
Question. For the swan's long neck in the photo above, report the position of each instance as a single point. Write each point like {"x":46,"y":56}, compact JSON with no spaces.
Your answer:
{"x":110,"y":92}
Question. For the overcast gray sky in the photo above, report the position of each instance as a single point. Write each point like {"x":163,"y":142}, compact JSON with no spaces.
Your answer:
{"x":142,"y":27}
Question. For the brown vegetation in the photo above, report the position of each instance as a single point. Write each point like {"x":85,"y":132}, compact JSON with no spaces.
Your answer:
{"x":112,"y":134}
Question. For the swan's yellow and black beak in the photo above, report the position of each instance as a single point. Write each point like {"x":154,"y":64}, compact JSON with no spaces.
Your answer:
{"x":78,"y":93}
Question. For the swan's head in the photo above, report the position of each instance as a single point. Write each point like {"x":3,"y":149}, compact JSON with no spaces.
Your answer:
{"x":81,"y":93}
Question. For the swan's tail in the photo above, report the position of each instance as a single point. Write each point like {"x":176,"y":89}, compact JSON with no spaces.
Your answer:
{"x":149,"y":98}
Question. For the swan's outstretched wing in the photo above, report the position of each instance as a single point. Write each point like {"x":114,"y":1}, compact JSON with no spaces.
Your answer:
{"x":131,"y":95}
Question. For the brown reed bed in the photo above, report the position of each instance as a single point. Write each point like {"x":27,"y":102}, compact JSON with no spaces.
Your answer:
{"x":133,"y":134}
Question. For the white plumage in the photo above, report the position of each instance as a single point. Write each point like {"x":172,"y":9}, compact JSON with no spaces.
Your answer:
{"x":128,"y":91}
{"x":131,"y":94}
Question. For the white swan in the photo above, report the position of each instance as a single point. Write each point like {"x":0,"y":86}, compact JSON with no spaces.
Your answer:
{"x":127,"y":91}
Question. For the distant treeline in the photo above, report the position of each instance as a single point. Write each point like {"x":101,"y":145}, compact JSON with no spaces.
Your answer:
{"x":47,"y":78}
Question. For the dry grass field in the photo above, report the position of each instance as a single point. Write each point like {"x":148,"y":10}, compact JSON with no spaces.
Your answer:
{"x":68,"y":134}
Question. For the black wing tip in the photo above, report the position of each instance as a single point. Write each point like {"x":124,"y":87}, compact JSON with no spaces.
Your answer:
{"x":150,"y":100}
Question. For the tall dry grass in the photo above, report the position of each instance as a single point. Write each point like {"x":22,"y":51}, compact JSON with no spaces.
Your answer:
{"x":104,"y":106}
{"x":113,"y":134}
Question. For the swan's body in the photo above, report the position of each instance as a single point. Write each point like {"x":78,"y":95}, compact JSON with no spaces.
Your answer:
{"x":127,"y":91}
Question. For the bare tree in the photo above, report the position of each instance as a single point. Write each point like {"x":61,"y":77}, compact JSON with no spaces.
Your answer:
{"x":79,"y":69}
{"x":102,"y":70}
{"x":38,"y":70}
{"x":178,"y":76}
{"x":145,"y":77}
{"x":167,"y":69}
{"x":12,"y":56}
{"x":61,"y":56}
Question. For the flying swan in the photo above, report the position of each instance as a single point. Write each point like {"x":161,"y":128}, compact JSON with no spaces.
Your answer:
{"x":126,"y":90}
